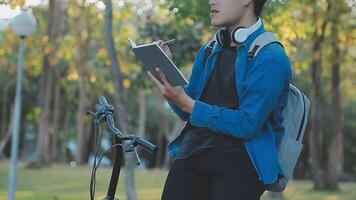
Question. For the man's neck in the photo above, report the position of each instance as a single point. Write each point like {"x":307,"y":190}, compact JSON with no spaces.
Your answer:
{"x":246,"y":22}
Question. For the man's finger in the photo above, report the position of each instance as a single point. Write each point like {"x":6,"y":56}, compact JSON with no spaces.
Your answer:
{"x":158,"y":42}
{"x":162,"y":76}
{"x":157,"y":82}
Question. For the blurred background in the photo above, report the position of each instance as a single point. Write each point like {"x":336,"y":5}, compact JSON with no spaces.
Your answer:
{"x":78,"y":51}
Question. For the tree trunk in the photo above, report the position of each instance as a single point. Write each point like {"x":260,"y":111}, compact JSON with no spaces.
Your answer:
{"x":81,"y":121}
{"x":61,"y":27}
{"x":55,"y":119}
{"x":5,"y":127}
{"x":83,"y":84}
{"x":7,"y":136}
{"x":121,"y":111}
{"x":162,"y":131}
{"x":316,"y":134}
{"x":43,"y":145}
{"x":335,"y":162}
{"x":66,"y":129}
{"x":4,"y":112}
{"x":43,"y":141}
{"x":178,"y":125}
{"x":142,"y":113}
{"x":55,"y":23}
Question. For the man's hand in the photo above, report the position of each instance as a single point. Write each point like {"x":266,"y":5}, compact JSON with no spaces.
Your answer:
{"x":174,"y":94}
{"x":165,"y":48}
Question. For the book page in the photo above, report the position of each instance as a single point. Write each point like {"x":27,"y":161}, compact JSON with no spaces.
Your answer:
{"x":133,"y":44}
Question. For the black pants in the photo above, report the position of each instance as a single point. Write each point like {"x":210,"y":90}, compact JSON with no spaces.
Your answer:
{"x":213,"y":175}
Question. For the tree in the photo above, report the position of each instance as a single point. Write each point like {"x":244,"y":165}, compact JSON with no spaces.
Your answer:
{"x":315,"y":134}
{"x":43,"y":140}
{"x":83,"y":34}
{"x":121,"y":110}
{"x":336,"y":147}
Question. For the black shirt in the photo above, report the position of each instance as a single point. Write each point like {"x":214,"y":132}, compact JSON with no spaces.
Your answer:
{"x":220,"y":91}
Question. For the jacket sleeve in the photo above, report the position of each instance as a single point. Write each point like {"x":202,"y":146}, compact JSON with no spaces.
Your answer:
{"x":264,"y":84}
{"x":192,"y":84}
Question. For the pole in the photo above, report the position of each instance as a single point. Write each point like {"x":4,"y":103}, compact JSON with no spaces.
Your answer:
{"x":16,"y":123}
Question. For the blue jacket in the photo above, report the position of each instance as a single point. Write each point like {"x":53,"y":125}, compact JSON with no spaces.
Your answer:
{"x":262,"y":88}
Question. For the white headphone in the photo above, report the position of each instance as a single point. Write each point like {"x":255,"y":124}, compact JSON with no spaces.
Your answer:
{"x":238,"y":35}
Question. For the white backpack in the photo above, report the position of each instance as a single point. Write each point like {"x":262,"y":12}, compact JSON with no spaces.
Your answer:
{"x":295,"y":117}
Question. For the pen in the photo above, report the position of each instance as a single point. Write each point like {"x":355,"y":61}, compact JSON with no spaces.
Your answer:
{"x":169,"y":42}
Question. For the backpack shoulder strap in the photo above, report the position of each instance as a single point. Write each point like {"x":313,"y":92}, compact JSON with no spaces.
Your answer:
{"x":261,"y":41}
{"x":208,"y":49}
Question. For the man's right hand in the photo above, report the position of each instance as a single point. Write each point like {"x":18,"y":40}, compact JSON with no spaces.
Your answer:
{"x":165,"y":48}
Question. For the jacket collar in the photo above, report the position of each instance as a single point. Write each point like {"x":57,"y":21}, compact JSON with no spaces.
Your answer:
{"x":254,"y":35}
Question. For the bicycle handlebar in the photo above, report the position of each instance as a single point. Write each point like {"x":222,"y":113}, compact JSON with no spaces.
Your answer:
{"x":104,"y":111}
{"x":148,"y":146}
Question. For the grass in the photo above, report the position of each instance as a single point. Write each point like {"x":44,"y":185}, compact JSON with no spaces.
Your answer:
{"x":61,"y":182}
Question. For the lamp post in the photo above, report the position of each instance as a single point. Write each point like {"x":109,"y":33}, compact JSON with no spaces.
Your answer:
{"x":23,"y":25}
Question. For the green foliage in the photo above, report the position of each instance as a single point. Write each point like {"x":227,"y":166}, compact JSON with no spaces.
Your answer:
{"x":197,"y":10}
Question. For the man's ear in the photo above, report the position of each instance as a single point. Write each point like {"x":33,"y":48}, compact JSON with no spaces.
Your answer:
{"x":247,"y":2}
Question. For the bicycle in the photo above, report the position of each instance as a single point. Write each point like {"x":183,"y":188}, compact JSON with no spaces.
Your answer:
{"x":104,"y":113}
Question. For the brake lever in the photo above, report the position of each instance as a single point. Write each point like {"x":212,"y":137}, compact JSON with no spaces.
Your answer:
{"x":137,"y":157}
{"x":129,"y":147}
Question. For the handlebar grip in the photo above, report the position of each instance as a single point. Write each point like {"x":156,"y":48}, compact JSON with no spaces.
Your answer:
{"x":147,"y":145}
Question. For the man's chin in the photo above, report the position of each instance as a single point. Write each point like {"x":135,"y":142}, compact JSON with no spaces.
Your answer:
{"x":216,"y":23}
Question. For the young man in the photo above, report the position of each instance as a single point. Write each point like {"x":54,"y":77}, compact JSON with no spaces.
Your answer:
{"x":227,"y":150}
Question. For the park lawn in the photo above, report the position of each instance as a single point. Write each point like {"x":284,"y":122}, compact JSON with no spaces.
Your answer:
{"x":61,"y":182}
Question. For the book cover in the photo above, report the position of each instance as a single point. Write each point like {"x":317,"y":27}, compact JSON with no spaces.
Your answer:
{"x":152,"y":56}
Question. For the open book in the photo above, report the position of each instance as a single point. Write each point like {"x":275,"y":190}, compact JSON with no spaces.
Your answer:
{"x":152,"y":56}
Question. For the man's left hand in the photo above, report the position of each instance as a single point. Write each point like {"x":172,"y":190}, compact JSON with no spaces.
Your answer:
{"x":174,"y":94}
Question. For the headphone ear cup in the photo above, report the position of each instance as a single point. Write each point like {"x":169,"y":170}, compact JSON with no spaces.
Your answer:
{"x":219,"y":36}
{"x":239,"y":35}
{"x":222,"y":37}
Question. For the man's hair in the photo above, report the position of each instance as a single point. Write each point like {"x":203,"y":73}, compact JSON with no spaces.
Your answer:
{"x":258,"y":5}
